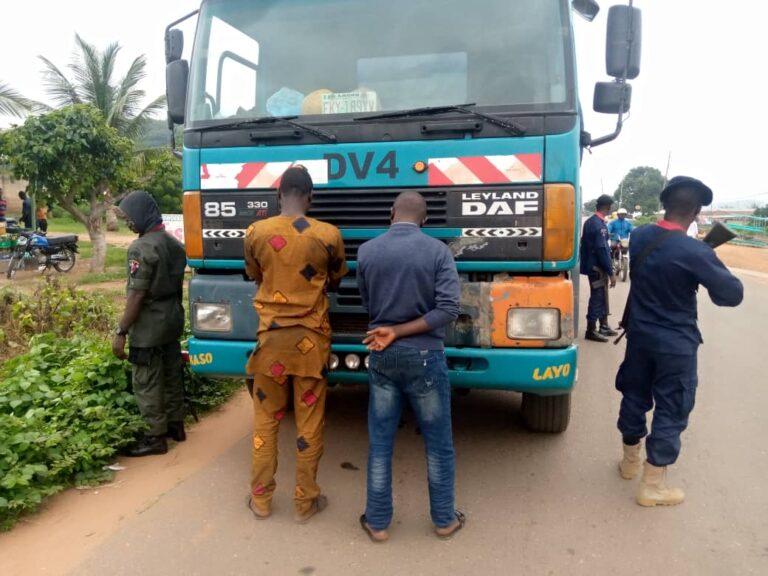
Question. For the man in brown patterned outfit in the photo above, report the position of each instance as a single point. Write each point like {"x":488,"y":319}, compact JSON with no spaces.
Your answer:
{"x":294,"y":260}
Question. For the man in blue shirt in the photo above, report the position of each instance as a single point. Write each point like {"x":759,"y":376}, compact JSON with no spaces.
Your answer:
{"x":410,"y":287}
{"x":621,"y":228}
{"x":595,"y":263}
{"x":659,"y":368}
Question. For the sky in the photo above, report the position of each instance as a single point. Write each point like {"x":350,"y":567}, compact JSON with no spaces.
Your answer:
{"x":696,"y":103}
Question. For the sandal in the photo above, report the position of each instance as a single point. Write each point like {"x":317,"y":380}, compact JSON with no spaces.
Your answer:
{"x":258,"y":514}
{"x":318,"y":505}
{"x":376,"y":536}
{"x":449,"y":531}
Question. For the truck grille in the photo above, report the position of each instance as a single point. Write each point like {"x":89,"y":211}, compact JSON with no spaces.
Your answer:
{"x":349,"y":323}
{"x":370,"y":208}
{"x":352,"y":245}
{"x":348,"y":294}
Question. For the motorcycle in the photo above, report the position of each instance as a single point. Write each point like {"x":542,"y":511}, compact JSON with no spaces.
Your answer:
{"x":34,"y":249}
{"x":620,"y":257}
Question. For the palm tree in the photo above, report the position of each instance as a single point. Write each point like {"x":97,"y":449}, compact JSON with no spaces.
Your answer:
{"x":93,"y":82}
{"x":12,"y":103}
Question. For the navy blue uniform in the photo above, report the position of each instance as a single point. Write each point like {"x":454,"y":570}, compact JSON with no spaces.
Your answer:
{"x":595,"y":253}
{"x":663,"y":337}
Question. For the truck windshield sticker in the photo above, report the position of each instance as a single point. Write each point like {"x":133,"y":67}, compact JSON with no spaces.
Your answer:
{"x":350,"y":102}
{"x":484,"y":169}
{"x":250,"y":175}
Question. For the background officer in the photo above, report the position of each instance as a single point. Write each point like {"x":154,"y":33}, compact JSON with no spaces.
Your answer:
{"x":663,"y":338}
{"x":154,"y":320}
{"x":596,"y":264}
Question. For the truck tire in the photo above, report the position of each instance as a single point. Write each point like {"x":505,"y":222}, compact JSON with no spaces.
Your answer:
{"x":549,"y":414}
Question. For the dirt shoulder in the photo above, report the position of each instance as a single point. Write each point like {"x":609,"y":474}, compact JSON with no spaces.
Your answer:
{"x":74,"y":522}
{"x":744,"y":257}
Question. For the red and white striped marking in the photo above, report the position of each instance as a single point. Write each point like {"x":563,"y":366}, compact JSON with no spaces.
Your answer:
{"x":466,"y":170}
{"x":250,"y":175}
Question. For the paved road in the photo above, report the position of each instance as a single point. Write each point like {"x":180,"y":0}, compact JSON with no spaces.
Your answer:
{"x":536,"y":504}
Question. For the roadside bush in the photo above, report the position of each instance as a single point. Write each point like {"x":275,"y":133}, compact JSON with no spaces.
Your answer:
{"x":65,"y":401}
{"x":51,"y":309}
{"x":647,"y":219}
{"x":65,"y":410}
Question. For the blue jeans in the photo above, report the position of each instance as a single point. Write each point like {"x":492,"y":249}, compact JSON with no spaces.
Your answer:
{"x":421,"y":377}
{"x":664,"y":383}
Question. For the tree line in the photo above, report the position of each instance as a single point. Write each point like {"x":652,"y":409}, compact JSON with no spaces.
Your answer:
{"x":83,"y":152}
{"x":638,"y":191}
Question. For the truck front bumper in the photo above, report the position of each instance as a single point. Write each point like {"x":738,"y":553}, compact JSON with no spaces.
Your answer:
{"x":544,"y":371}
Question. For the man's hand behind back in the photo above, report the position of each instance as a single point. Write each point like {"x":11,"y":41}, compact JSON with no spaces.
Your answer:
{"x":380,"y":338}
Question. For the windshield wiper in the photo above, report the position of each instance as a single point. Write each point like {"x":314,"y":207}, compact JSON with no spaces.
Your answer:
{"x":509,"y":125}
{"x":266,"y":120}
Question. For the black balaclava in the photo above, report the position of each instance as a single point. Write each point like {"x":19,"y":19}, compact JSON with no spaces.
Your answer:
{"x":142,"y":209}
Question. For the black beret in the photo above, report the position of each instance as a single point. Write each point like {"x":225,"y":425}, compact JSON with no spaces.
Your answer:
{"x":605,"y":200}
{"x":704,"y":191}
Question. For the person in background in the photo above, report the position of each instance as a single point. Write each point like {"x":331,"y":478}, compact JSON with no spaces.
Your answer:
{"x":659,"y":368}
{"x":26,"y":209}
{"x":410,"y":287}
{"x":295,"y":260}
{"x":41,"y":215}
{"x":620,"y":228}
{"x":595,"y":263}
{"x":693,"y":229}
{"x":153,"y":320}
{"x":3,"y":206}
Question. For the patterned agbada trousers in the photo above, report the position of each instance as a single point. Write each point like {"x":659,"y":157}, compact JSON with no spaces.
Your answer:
{"x":293,"y":260}
{"x":270,"y":402}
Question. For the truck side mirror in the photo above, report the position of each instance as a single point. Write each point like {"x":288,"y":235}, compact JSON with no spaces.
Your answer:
{"x":174,"y":45}
{"x":624,"y":42}
{"x":176,"y":76}
{"x":587,"y":9}
{"x":612,"y":97}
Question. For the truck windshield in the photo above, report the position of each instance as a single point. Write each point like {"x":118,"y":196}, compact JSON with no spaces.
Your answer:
{"x":351,"y":57}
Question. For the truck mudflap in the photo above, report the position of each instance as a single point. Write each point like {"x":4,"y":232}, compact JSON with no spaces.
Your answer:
{"x":549,"y":371}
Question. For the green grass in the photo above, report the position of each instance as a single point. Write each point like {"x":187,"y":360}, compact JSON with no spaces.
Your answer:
{"x":116,"y":256}
{"x":63,"y":223}
{"x":114,"y":265}
{"x":100,"y":277}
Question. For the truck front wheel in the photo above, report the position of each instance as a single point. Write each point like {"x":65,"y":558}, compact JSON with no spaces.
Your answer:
{"x":546,"y":413}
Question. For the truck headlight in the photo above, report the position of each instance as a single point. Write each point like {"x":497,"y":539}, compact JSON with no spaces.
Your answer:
{"x":533,"y":324}
{"x":212,"y":317}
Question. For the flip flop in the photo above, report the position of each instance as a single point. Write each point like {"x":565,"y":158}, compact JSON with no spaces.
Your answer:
{"x":258,"y":514}
{"x":318,"y":505}
{"x":461,"y":520}
{"x":376,"y":536}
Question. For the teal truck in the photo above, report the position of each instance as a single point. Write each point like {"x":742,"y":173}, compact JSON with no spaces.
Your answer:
{"x":473,"y":104}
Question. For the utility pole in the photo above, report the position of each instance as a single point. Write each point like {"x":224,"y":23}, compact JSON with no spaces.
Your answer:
{"x":666,"y":172}
{"x":621,"y":194}
{"x":666,"y":176}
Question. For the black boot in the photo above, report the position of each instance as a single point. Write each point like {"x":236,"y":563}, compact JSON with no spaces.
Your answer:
{"x":176,"y":431}
{"x":606,"y":330}
{"x":147,"y":446}
{"x":593,"y":334}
